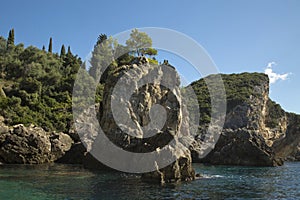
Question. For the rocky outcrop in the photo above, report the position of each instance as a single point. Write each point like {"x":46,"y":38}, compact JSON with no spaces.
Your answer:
{"x":289,"y":146}
{"x":31,"y":145}
{"x":136,"y":131}
{"x":257,"y":131}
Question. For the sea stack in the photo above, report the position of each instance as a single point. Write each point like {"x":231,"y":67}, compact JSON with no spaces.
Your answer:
{"x":139,"y":111}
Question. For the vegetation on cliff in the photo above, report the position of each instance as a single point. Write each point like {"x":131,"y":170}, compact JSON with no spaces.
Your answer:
{"x":36,"y":85}
{"x":238,"y":88}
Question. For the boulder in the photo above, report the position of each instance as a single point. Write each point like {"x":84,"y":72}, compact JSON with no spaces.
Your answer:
{"x":31,"y":145}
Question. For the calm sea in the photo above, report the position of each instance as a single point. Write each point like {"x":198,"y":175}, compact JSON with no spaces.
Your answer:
{"x":218,"y":182}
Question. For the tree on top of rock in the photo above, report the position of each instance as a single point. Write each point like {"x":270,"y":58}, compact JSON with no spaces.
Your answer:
{"x":140,"y":43}
{"x":102,"y":55}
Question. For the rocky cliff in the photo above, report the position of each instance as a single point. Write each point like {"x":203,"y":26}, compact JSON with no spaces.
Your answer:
{"x":257,"y":131}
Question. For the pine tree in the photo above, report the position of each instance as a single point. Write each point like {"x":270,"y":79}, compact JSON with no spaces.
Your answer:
{"x":50,"y":45}
{"x":43,"y":48}
{"x":62,"y":51}
{"x":11,"y":38}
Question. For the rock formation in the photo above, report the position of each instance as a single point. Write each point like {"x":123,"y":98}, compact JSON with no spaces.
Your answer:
{"x":257,"y":131}
{"x":31,"y":145}
{"x":136,"y":131}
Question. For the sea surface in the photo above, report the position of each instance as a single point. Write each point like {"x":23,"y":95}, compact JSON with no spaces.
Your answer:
{"x":47,"y":182}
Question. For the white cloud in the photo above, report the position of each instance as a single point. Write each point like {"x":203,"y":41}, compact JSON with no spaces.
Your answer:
{"x":274,"y":76}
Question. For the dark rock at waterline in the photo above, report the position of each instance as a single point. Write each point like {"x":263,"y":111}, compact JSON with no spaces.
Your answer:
{"x":75,"y":155}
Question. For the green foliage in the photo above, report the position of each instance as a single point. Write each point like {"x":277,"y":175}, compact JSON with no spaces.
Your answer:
{"x":50,"y":45}
{"x":69,"y":51}
{"x":11,"y":39}
{"x":149,"y":51}
{"x":102,"y":55}
{"x":36,"y":87}
{"x":62,"y":51}
{"x":140,"y":43}
{"x":122,"y":55}
{"x":275,"y":112}
{"x":153,"y":61}
{"x":101,"y":38}
{"x":238,"y":88}
{"x":99,"y":93}
{"x":2,"y":44}
{"x":108,"y":52}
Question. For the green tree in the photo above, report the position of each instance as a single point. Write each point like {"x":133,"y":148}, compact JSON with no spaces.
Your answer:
{"x":62,"y":51}
{"x":101,"y":38}
{"x":11,"y":38}
{"x":43,"y":48}
{"x":35,"y":87}
{"x":102,"y":55}
{"x":140,"y":43}
{"x":3,"y":44}
{"x":69,"y":51}
{"x":122,"y":55}
{"x":50,"y":45}
{"x":149,"y":51}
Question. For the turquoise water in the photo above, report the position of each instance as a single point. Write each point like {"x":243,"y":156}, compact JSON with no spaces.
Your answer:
{"x":219,"y":182}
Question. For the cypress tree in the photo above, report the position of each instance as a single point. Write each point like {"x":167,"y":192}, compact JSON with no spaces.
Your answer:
{"x":44,"y":49}
{"x":11,"y":38}
{"x":62,"y":51}
{"x":50,"y":45}
{"x":69,"y":51}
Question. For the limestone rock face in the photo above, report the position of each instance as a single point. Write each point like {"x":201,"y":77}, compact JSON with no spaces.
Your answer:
{"x":257,"y":131}
{"x":289,"y":147}
{"x":150,"y":121}
{"x":31,"y":145}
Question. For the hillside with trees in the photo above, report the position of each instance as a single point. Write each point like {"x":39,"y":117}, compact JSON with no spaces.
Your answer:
{"x":36,"y":85}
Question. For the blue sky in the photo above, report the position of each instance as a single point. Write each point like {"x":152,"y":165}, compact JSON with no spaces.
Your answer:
{"x":238,"y":35}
